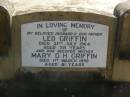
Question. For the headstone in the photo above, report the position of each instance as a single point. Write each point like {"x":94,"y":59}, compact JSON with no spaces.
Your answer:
{"x":122,"y":11}
{"x":122,"y":64}
{"x":5,"y":45}
{"x":4,"y":32}
{"x":64,"y":40}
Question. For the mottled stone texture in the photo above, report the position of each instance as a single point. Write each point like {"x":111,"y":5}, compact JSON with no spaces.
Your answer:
{"x":122,"y":63}
{"x":69,"y":10}
{"x":71,"y":15}
{"x":4,"y":32}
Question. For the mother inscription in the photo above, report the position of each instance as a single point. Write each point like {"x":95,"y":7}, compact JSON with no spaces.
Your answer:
{"x":64,"y":44}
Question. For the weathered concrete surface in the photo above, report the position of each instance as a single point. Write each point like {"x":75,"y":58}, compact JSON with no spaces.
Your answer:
{"x":122,"y":11}
{"x":5,"y":58}
{"x":4,"y":32}
{"x":99,"y":12}
{"x":122,"y":63}
{"x":32,"y":11}
{"x":102,"y":6}
{"x":121,"y":70}
{"x":78,"y":16}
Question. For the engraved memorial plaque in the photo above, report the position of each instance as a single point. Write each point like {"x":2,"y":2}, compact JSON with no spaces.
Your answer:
{"x":64,"y":44}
